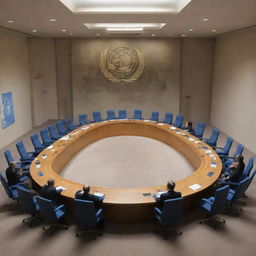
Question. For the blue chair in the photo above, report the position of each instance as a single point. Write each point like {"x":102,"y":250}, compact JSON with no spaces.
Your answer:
{"x":47,"y":141}
{"x":70,"y":124}
{"x":170,"y":215}
{"x":122,"y":114}
{"x":248,"y":167}
{"x":222,"y":152}
{"x":111,"y":115}
{"x":38,"y":146}
{"x":54,"y":132}
{"x":51,"y":214}
{"x":28,"y":204}
{"x":215,"y":205}
{"x":61,"y":128}
{"x":154,"y":116}
{"x":137,"y":115}
{"x":212,"y":141}
{"x":9,"y":158}
{"x":178,"y":121}
{"x":251,"y":179}
{"x":228,"y":160}
{"x":11,"y":191}
{"x":199,"y":131}
{"x":87,"y":219}
{"x":83,"y":119}
{"x":168,"y":118}
{"x":97,"y":116}
{"x":24,"y":155}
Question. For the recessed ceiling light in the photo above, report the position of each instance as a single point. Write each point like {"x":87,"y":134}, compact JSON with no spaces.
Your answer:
{"x":124,"y":25}
{"x":183,"y":35}
{"x":71,"y":34}
{"x":34,"y":30}
{"x":97,"y":34}
{"x":63,"y":30}
{"x":124,"y":29}
{"x":10,"y":21}
{"x":191,"y":29}
{"x":205,"y":19}
{"x":52,"y":20}
{"x":153,"y":34}
{"x":214,"y":30}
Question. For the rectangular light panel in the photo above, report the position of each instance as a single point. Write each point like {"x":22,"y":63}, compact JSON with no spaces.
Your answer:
{"x":125,"y":6}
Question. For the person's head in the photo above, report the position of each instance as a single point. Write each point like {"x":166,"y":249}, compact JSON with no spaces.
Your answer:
{"x":240,"y":158}
{"x":170,"y":185}
{"x":12,"y":164}
{"x":50,"y":182}
{"x":27,"y":184}
{"x":86,"y":189}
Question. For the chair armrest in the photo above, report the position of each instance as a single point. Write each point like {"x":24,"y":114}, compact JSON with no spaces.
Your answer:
{"x":206,"y":201}
{"x":99,"y":213}
{"x":228,"y":158}
{"x":14,"y":186}
{"x":61,"y":207}
{"x":230,"y":183}
{"x":157,"y":211}
{"x":214,"y":147}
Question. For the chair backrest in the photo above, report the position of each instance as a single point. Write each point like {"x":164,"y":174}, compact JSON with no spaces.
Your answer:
{"x":154,"y":116}
{"x":220,"y":200}
{"x":46,"y":209}
{"x":172,"y":211}
{"x":178,"y":121}
{"x":97,"y":116}
{"x":168,"y":118}
{"x":251,"y":179}
{"x":8,"y":156}
{"x":45,"y":136}
{"x":228,"y":145}
{"x":61,"y":127}
{"x":122,"y":114}
{"x":26,"y":200}
{"x":36,"y":142}
{"x":241,"y":188}
{"x":85,"y":215}
{"x":248,"y":167}
{"x":53,"y":131}
{"x":137,"y":114}
{"x":239,"y":150}
{"x":214,"y":136}
{"x":111,"y":115}
{"x":6,"y":186}
{"x":69,"y":124}
{"x":199,"y":131}
{"x":22,"y":151}
{"x":83,"y":119}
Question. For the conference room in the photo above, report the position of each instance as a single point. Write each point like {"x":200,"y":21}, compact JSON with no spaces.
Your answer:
{"x":127,"y":127}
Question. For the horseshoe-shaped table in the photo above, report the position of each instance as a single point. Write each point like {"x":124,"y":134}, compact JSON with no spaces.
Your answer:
{"x":130,"y":204}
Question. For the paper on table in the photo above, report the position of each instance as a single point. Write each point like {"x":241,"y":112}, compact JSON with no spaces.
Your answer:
{"x":60,"y":187}
{"x":195,"y":186}
{"x":208,"y":151}
{"x":38,"y":166}
{"x":65,"y":138}
{"x":173,"y":128}
{"x":212,"y":156}
{"x":51,"y":146}
{"x":191,"y":139}
{"x":99,"y":194}
{"x":146,"y":120}
{"x":161,"y":124}
{"x":213,"y":165}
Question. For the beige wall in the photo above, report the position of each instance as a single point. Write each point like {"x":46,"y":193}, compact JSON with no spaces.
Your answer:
{"x":42,"y":57}
{"x":14,"y":77}
{"x":196,"y":78}
{"x":234,"y":87}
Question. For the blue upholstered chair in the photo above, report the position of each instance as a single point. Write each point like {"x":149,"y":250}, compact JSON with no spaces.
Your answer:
{"x":154,"y":116}
{"x":199,"y":131}
{"x":122,"y":114}
{"x":170,"y":215}
{"x":87,"y":219}
{"x":54,"y":132}
{"x":97,"y":116}
{"x":248,"y":167}
{"x":168,"y":118}
{"x":212,"y":141}
{"x":215,"y":205}
{"x":228,"y":160}
{"x":38,"y":146}
{"x":51,"y":214}
{"x":47,"y":141}
{"x":222,"y":152}
{"x":83,"y":119}
{"x":178,"y":121}
{"x":28,"y":204}
{"x":24,"y":155}
{"x":111,"y":115}
{"x":9,"y":158}
{"x":70,"y":124}
{"x":61,"y":128}
{"x":251,"y":179}
{"x":137,"y":115}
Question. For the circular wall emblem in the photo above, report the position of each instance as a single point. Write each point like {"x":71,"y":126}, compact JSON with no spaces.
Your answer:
{"x":122,"y":64}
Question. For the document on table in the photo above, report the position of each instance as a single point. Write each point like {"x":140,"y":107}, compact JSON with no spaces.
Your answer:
{"x":208,"y":151}
{"x":161,"y":124}
{"x":98,"y":194}
{"x":51,"y":146}
{"x":195,"y":186}
{"x":213,"y":165}
{"x":158,"y":194}
{"x":191,"y":139}
{"x":173,"y":128}
{"x":60,"y":187}
{"x":38,"y":165}
{"x":65,"y":138}
{"x":85,"y":128}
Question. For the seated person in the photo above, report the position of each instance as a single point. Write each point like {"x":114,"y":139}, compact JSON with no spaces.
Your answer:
{"x":170,"y":194}
{"x":84,"y":195}
{"x":48,"y":191}
{"x":14,"y":175}
{"x":28,"y":185}
{"x":188,"y":127}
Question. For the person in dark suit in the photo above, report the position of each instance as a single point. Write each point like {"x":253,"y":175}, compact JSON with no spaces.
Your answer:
{"x":28,"y":185}
{"x":170,"y":194}
{"x":189,"y":127}
{"x":13,"y":174}
{"x":236,"y":169}
{"x":85,"y":195}
{"x":48,"y":191}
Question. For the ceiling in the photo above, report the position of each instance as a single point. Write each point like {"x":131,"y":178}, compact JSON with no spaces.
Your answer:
{"x":223,"y":16}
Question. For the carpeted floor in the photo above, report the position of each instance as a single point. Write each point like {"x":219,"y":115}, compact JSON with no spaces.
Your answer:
{"x":236,"y":237}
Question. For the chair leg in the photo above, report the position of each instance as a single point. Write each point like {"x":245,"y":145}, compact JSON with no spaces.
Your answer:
{"x":168,"y":230}
{"x":94,"y":232}
{"x":54,"y":226}
{"x":31,"y":220}
{"x":213,"y":219}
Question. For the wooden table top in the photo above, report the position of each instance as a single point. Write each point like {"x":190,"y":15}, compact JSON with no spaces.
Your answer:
{"x":202,"y":157}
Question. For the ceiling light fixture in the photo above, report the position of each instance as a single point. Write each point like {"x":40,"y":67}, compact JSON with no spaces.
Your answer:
{"x":153,"y":35}
{"x":183,"y":35}
{"x":63,"y":30}
{"x":123,"y":29}
{"x":10,"y":21}
{"x":214,"y":30}
{"x":191,"y":29}
{"x":97,"y":34}
{"x":34,"y":30}
{"x":52,"y":20}
{"x":205,"y":19}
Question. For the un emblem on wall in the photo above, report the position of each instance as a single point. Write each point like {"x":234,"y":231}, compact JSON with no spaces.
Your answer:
{"x":122,"y":64}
